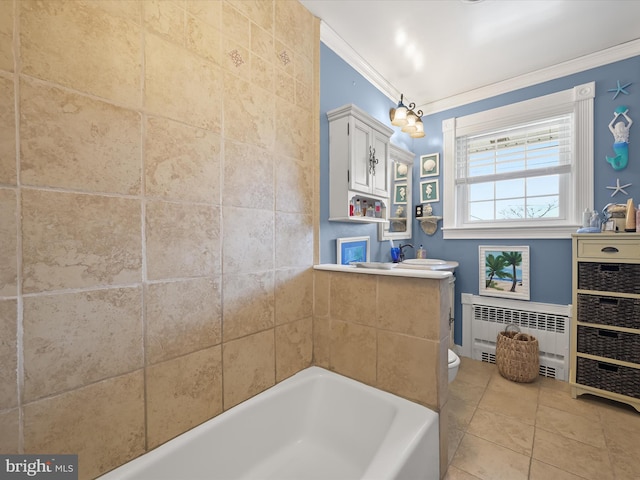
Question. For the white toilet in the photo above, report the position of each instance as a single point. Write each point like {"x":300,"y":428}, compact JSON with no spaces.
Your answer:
{"x":454,"y":363}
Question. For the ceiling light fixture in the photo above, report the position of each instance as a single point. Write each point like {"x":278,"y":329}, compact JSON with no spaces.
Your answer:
{"x":407,"y":118}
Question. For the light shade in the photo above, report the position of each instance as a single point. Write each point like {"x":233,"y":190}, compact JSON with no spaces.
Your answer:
{"x":398,"y":115}
{"x":419,"y":132}
{"x":410,"y":127}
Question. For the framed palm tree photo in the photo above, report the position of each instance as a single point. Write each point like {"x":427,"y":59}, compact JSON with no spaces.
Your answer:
{"x":504,"y":271}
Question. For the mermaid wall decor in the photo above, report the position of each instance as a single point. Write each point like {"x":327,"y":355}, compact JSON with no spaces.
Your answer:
{"x":620,"y":131}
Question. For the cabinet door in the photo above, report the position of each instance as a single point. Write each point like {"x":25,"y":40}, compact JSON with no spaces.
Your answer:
{"x":359,"y":177}
{"x":381,"y":173}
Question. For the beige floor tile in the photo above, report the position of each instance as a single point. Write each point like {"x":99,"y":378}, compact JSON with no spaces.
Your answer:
{"x":511,"y":404}
{"x":505,"y":431}
{"x":526,"y":391}
{"x":468,"y":392}
{"x":455,"y":436}
{"x":454,"y":473}
{"x":560,"y":399}
{"x":475,"y":371}
{"x":570,"y":455}
{"x":460,"y":413}
{"x":576,"y":427}
{"x":489,"y":461}
{"x":542,"y":471}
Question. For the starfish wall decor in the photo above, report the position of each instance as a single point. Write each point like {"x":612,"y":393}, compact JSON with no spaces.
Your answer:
{"x":619,"y":188}
{"x":619,"y":89}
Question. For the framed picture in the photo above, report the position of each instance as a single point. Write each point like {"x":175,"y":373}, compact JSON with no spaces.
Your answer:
{"x":400,"y":171}
{"x":504,"y":271}
{"x":429,"y":191}
{"x":400,"y":193}
{"x":352,"y":249}
{"x":430,"y":165}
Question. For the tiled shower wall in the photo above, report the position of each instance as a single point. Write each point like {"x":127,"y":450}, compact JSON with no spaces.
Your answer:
{"x":158,"y":216}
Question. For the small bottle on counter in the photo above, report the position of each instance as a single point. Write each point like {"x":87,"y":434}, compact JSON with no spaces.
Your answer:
{"x":358,"y":210}
{"x":421,"y":252}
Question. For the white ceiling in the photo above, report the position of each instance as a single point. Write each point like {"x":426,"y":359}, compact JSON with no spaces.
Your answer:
{"x":432,"y":50}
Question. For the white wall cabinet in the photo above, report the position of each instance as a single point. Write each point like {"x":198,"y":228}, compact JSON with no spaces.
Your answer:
{"x":358,"y":163}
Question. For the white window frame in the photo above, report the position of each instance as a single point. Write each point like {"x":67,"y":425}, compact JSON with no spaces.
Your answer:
{"x":577,"y":100}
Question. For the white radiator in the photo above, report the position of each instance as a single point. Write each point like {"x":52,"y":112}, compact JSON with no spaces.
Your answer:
{"x":484,"y":317}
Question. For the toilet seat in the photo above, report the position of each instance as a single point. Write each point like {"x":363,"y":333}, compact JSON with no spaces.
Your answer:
{"x":452,"y":357}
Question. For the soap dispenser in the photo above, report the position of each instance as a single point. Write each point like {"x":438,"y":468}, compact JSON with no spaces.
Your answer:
{"x":421,"y":252}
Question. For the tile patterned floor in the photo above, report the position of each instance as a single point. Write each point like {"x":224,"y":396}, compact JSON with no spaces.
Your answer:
{"x":502,"y":430}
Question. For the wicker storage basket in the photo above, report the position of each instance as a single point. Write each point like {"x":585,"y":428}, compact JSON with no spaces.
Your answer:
{"x":517,"y":355}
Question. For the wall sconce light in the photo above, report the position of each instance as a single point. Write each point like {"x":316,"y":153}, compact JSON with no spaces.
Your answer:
{"x":407,"y":118}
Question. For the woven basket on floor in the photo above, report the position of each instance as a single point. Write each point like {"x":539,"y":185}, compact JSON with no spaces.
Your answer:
{"x":517,"y":356}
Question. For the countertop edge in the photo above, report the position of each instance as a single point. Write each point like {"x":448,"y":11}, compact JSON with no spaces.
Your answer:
{"x":394,"y":272}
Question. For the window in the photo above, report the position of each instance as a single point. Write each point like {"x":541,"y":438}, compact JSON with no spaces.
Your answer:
{"x":520,"y":171}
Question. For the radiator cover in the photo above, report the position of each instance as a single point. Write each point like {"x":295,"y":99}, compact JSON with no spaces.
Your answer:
{"x":484,"y":317}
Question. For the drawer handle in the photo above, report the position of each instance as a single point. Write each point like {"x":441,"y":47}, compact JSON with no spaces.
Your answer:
{"x":609,"y":250}
{"x":608,"y":333}
{"x":609,"y":267}
{"x":610,"y":301}
{"x":606,"y":366}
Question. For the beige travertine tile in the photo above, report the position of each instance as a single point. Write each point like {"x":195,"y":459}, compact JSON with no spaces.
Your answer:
{"x":7,"y":126}
{"x":284,"y":85}
{"x":408,"y":367}
{"x":454,"y":436}
{"x":249,"y":111}
{"x":8,"y":242}
{"x":406,"y":305}
{"x":294,"y":186}
{"x":204,"y":39}
{"x":577,"y":427}
{"x":208,"y":12}
{"x":262,"y":43}
{"x":353,"y":351}
{"x":621,"y":424}
{"x":454,"y":473}
{"x":321,"y":292}
{"x":75,"y":240}
{"x":352,"y":298}
{"x":182,"y":393}
{"x":293,"y":295}
{"x":248,"y":238}
{"x":259,"y":12}
{"x":561,"y":399}
{"x":8,"y":355}
{"x":248,"y":176}
{"x":292,"y":127}
{"x":249,"y":367}
{"x":489,"y":461}
{"x":321,"y":342}
{"x":284,"y":58}
{"x":182,"y":317}
{"x":505,"y":431}
{"x":572,"y":456}
{"x":294,"y":345}
{"x":9,"y":426}
{"x":262,"y":73}
{"x":74,"y":339}
{"x":294,"y":26}
{"x":108,"y":64}
{"x":62,"y":132}
{"x":542,"y":471}
{"x":183,"y":240}
{"x":461,"y":413}
{"x":304,"y":95}
{"x":176,"y":82}
{"x":102,"y":423}
{"x":235,"y":25}
{"x":527,"y":391}
{"x":236,"y":62}
{"x":166,"y":19}
{"x":249,"y":304}
{"x":6,"y":36}
{"x":181,"y":162}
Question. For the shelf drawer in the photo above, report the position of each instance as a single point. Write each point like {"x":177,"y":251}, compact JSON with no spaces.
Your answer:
{"x":614,"y":311}
{"x":609,"y":377}
{"x":609,"y":343}
{"x":616,"y":249}
{"x":609,"y":277}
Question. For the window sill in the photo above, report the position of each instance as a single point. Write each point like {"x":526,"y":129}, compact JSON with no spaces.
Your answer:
{"x":509,"y":232}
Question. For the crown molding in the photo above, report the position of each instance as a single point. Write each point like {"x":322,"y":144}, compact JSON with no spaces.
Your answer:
{"x":620,"y":52}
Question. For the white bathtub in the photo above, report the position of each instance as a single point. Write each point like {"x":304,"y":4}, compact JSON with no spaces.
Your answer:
{"x":313,"y":425}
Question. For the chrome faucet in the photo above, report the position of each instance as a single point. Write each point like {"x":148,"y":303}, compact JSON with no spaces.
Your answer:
{"x":402,"y":247}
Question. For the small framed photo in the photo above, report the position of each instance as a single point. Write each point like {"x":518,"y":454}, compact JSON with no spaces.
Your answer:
{"x":504,"y":271}
{"x":400,"y":194}
{"x":430,"y":165}
{"x":429,"y":191}
{"x":352,"y":249}
{"x":400,"y":171}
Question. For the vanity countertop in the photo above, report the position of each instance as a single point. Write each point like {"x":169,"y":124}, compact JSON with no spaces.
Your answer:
{"x":393,"y":272}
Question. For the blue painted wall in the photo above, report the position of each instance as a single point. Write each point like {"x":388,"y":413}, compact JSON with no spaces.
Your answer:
{"x":550,"y":268}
